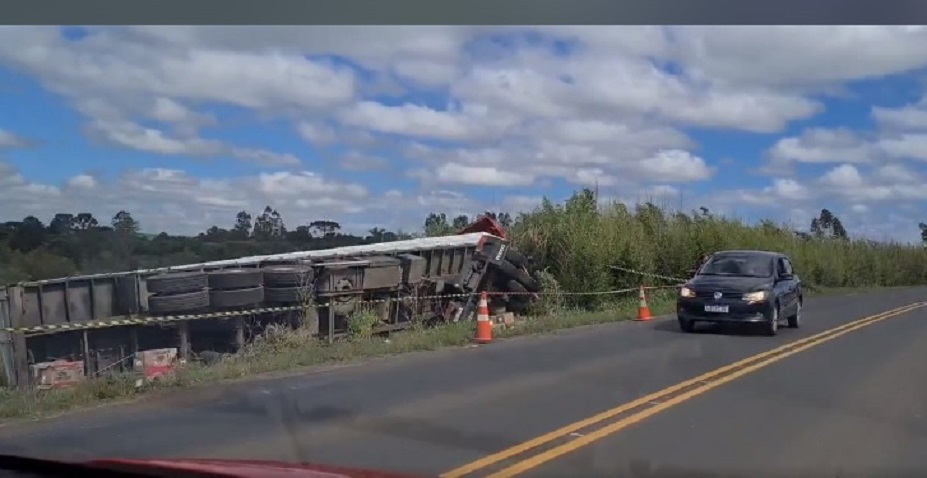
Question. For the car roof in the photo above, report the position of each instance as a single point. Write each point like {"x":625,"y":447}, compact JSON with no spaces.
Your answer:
{"x":750,"y":253}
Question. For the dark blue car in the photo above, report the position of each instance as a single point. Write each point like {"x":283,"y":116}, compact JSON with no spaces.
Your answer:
{"x":758,"y":287}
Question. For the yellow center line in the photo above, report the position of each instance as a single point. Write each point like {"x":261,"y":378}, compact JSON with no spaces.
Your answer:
{"x":777,"y":353}
{"x":613,"y":428}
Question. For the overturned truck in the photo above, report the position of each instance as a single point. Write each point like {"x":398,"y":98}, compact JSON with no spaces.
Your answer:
{"x":99,"y":323}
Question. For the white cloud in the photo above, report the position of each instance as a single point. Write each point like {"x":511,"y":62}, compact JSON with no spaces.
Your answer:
{"x":355,"y":161}
{"x":793,"y":56}
{"x":481,"y":176}
{"x":417,"y":121}
{"x":843,"y":176}
{"x":9,"y":140}
{"x":614,"y":108}
{"x":172,"y":200}
{"x":319,"y":135}
{"x":819,"y":145}
{"x":674,"y":165}
{"x":906,"y":118}
{"x":82,"y":181}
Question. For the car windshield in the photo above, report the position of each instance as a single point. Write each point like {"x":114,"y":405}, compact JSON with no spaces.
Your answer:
{"x":744,"y":265}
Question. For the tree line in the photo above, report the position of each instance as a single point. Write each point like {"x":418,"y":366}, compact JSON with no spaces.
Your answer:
{"x":79,"y":243}
{"x":575,"y":240}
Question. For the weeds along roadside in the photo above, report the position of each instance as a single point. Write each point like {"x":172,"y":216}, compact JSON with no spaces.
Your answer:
{"x":285,"y":349}
{"x":575,"y":244}
{"x":579,"y":240}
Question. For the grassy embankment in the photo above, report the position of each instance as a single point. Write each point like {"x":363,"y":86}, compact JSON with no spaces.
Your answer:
{"x":575,"y":243}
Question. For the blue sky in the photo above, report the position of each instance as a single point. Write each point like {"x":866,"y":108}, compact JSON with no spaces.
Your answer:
{"x":376,"y":126}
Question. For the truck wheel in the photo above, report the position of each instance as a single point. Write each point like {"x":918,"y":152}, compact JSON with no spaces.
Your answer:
{"x":235,"y":278}
{"x":186,"y":302}
{"x":520,"y":300}
{"x":287,"y":276}
{"x":237,"y":297}
{"x":517,"y":259}
{"x":176,"y":282}
{"x":522,"y":276}
{"x":285,"y":295}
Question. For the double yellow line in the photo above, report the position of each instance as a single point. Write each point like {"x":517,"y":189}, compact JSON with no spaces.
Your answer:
{"x":656,"y":402}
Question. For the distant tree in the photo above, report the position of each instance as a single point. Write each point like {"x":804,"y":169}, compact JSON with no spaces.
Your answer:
{"x":828,"y":225}
{"x":460,"y":222}
{"x":302,"y":234}
{"x":436,"y":225}
{"x":124,"y":224}
{"x":243,"y":227}
{"x":324,"y":228}
{"x":269,"y":225}
{"x":582,"y":202}
{"x":923,"y":228}
{"x":217,"y":234}
{"x":61,"y":224}
{"x":85,"y":221}
{"x":42,"y":264}
{"x":838,"y":230}
{"x":28,"y":235}
{"x":503,"y":218}
{"x":378,"y":234}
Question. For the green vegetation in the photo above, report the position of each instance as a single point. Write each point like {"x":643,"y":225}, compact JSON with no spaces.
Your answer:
{"x":576,"y":242}
{"x":74,"y":244}
{"x":282,"y":349}
{"x":572,"y":244}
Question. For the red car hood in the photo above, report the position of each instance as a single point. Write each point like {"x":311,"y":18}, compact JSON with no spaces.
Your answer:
{"x":247,"y":468}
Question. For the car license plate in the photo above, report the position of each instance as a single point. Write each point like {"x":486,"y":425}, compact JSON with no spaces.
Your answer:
{"x":721,"y":309}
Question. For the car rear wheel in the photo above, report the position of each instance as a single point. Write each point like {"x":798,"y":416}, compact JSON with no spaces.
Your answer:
{"x":687,"y":326}
{"x":795,"y":320}
{"x":772,"y":326}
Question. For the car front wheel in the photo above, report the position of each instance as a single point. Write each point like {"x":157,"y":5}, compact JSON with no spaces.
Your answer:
{"x":687,"y":326}
{"x":795,"y":320}
{"x":772,"y":325}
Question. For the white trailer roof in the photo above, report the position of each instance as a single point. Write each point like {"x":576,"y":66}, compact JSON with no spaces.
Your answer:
{"x":461,"y":240}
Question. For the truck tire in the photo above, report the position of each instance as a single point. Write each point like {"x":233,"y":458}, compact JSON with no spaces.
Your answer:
{"x":522,"y":276}
{"x":287,"y":276}
{"x":283,"y":295}
{"x":174,"y":303}
{"x":176,"y":282}
{"x":517,"y":259}
{"x":236,"y":279}
{"x":236,"y":297}
{"x":520,"y":299}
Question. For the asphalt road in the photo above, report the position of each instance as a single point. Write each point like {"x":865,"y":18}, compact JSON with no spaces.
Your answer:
{"x":854,"y":403}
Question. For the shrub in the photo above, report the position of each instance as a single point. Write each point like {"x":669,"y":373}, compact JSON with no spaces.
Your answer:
{"x":577,"y":242}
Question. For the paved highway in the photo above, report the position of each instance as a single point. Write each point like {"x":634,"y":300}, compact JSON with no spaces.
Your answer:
{"x":846,"y":393}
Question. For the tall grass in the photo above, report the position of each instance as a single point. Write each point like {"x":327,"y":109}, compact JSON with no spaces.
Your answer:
{"x":577,"y":242}
{"x":281,"y":349}
{"x":574,"y":243}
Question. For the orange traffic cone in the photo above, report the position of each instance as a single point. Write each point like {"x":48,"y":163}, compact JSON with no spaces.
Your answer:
{"x":483,"y":324}
{"x":643,"y":311}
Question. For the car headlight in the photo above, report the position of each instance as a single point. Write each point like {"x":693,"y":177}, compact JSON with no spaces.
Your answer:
{"x":686,"y":292}
{"x":757,"y":296}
